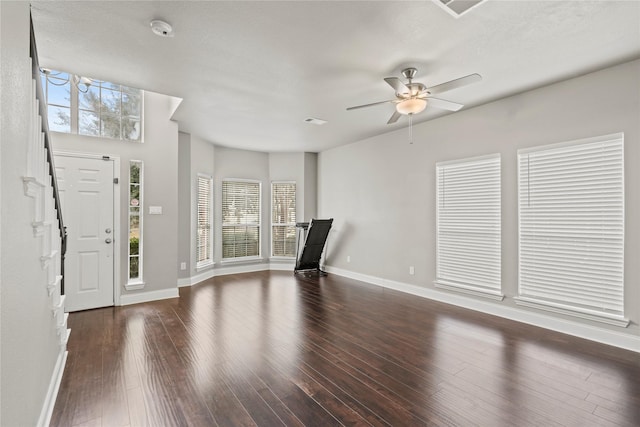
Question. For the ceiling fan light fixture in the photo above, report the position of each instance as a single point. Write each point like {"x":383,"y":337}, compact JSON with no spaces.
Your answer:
{"x":411,"y":106}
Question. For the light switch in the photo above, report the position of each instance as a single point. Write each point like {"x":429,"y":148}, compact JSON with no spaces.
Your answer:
{"x":155,"y":210}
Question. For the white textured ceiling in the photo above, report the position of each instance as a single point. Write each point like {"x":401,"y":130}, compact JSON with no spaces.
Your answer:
{"x":249,"y":73}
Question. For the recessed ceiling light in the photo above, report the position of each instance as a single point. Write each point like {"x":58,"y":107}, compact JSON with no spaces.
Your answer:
{"x":161,"y":28}
{"x":315,"y":121}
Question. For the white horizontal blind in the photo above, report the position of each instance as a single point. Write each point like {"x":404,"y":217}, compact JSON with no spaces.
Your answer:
{"x":571,"y":201}
{"x":240,"y":219}
{"x":468,"y":225}
{"x":204,"y":241}
{"x":283,"y":219}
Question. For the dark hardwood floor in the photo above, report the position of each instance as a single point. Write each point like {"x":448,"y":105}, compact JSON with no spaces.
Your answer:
{"x":271,"y":349}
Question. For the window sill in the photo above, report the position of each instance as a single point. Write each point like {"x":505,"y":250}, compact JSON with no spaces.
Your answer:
{"x":469,"y":290}
{"x":243,"y":260}
{"x":611,"y":319}
{"x":205,"y":266}
{"x":282,"y":258}
{"x":134,"y":285}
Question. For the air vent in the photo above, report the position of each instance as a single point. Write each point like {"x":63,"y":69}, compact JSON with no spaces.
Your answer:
{"x":315,"y":121}
{"x":457,"y":8}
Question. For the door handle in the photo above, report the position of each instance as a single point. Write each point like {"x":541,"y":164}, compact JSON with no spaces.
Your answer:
{"x":107,"y":240}
{"x":108,"y":231}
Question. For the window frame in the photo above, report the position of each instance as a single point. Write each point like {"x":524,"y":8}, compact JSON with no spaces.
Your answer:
{"x":224,"y":224}
{"x":207,"y":262}
{"x":284,"y":225}
{"x":530,"y":292}
{"x":480,"y":272}
{"x":139,"y":280}
{"x":74,"y":104}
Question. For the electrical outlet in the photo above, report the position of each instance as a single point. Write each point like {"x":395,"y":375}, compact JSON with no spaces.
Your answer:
{"x":412,"y":270}
{"x":348,"y":258}
{"x":183,"y":266}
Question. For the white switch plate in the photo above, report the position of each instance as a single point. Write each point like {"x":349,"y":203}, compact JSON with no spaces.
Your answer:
{"x":155,"y":210}
{"x":183,"y":266}
{"x":348,"y":258}
{"x":412,"y":270}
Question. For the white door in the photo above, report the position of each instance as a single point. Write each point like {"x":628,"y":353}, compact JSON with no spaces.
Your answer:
{"x":86,"y":195}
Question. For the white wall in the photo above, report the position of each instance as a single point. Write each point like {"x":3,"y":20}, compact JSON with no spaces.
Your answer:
{"x":159,"y":152}
{"x":381,"y":191}
{"x":29,"y":343}
{"x":184,"y":203}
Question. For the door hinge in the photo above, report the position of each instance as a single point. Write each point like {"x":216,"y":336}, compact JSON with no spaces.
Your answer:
{"x":115,"y":180}
{"x":106,"y":158}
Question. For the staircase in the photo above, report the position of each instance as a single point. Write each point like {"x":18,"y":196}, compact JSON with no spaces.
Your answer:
{"x":40,"y":184}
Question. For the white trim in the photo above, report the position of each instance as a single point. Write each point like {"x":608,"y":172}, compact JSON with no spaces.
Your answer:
{"x":589,"y":140}
{"x":134,"y":285}
{"x":242,"y":260}
{"x":570,"y":311}
{"x":148,"y":296}
{"x":205,"y":265}
{"x":52,"y":391}
{"x":593,"y":333}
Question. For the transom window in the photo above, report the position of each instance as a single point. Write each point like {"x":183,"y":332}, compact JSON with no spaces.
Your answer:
{"x":241,"y":212}
{"x":92,"y":107}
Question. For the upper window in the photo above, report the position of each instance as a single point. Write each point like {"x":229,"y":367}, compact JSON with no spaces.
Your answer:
{"x":571,"y":211}
{"x":241,"y":214}
{"x":283,"y":219}
{"x":204,"y":239}
{"x":91,"y":107}
{"x":468,"y":255}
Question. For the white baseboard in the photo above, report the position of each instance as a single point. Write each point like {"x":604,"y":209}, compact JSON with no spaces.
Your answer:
{"x":148,"y":296}
{"x":275,"y":265}
{"x":593,"y":333}
{"x":52,"y":391}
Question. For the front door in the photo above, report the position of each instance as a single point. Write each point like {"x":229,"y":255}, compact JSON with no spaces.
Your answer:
{"x":86,"y":195}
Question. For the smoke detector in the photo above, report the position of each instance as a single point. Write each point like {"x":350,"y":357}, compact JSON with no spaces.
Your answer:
{"x":161,"y":28}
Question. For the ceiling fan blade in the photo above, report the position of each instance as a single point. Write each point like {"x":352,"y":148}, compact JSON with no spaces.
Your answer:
{"x":454,"y":84}
{"x":397,"y":84}
{"x":394,"y":118}
{"x":369,"y":105}
{"x":444,"y":104}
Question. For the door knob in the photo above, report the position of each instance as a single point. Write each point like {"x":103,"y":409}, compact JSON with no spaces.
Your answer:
{"x":107,"y":240}
{"x":108,"y":231}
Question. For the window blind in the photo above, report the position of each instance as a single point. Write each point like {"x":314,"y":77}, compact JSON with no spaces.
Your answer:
{"x":204,"y":241}
{"x":468,"y":252}
{"x":571,"y":212}
{"x":283,"y":219}
{"x":240,"y":219}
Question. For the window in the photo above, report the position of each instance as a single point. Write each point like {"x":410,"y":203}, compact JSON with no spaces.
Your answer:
{"x":571,"y":212}
{"x":240,"y":219}
{"x":283,"y":219}
{"x":204,"y":240}
{"x":135,"y":221}
{"x":468,"y":253}
{"x":92,"y":107}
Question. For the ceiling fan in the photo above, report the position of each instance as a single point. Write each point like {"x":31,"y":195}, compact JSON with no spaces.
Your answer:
{"x":412,"y":97}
